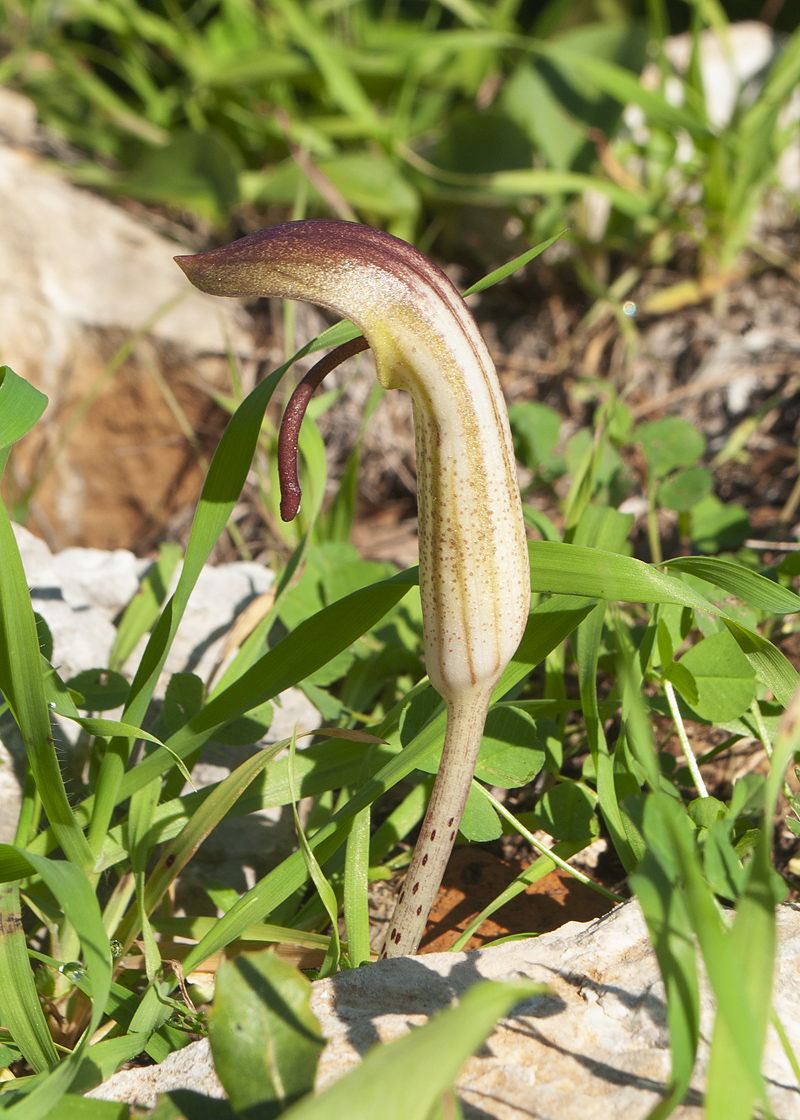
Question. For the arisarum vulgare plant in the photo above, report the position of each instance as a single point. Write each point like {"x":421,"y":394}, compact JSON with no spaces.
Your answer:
{"x":473,"y":561}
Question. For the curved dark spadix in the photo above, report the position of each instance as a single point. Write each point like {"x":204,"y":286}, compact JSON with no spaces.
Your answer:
{"x":474,"y":576}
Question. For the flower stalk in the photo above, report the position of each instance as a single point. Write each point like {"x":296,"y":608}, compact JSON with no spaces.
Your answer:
{"x":473,"y":561}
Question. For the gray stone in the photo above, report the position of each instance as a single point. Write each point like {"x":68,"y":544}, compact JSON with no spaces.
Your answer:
{"x":18,"y":126}
{"x":76,"y":611}
{"x":77,"y":261}
{"x":104,"y":581}
{"x":191,"y":1067}
{"x":597,"y":1049}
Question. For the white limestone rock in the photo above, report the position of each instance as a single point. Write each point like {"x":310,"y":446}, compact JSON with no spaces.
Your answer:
{"x":79,"y":277}
{"x":597,"y":1049}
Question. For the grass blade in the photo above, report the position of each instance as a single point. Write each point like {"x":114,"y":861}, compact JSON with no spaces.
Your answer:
{"x":20,"y":1009}
{"x":22,"y":685}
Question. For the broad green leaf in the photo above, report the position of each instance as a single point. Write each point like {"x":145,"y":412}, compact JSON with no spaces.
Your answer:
{"x":182,"y":700}
{"x":248,"y":729}
{"x":100,"y":689}
{"x":724,"y":678}
{"x":511,"y":754}
{"x":670,"y":443}
{"x":480,"y":143}
{"x":480,"y":823}
{"x":264,"y":1037}
{"x":536,"y":429}
{"x":404,"y":1079}
{"x":679,"y":675}
{"x":372,"y":183}
{"x":685,"y":489}
{"x":195,"y":170}
{"x":719,"y":526}
{"x":567,"y":812}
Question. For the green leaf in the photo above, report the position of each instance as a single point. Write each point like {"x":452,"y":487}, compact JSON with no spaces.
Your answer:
{"x":567,"y":812}
{"x":511,"y":267}
{"x":723,"y":675}
{"x":575,"y":570}
{"x":769,"y":664}
{"x":706,"y":811}
{"x":141,"y":613}
{"x":720,"y":862}
{"x":22,"y":685}
{"x":372,"y":183}
{"x":480,"y":823}
{"x":21,"y":405}
{"x":679,"y":674}
{"x":754,"y":589}
{"x":326,"y":893}
{"x":548,"y":624}
{"x":482,"y":143}
{"x":195,"y":170}
{"x":668,"y":830}
{"x":671,"y":935}
{"x":511,"y":754}
{"x":75,"y":894}
{"x":182,"y":700}
{"x":72,"y":1107}
{"x":264,"y":1037}
{"x":685,"y":489}
{"x":20,"y":1008}
{"x":404,"y":1079}
{"x":536,"y":429}
{"x":100,"y":689}
{"x":309,"y":647}
{"x":718,"y":526}
{"x":248,"y":729}
{"x":670,"y":443}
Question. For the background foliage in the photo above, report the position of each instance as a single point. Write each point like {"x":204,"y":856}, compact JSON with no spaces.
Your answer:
{"x":502,"y":122}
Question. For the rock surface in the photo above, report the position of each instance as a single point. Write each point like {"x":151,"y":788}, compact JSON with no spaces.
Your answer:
{"x":78,"y":278}
{"x":597,"y":1049}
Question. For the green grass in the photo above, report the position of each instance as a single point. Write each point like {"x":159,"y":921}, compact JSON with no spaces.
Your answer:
{"x":445,"y":124}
